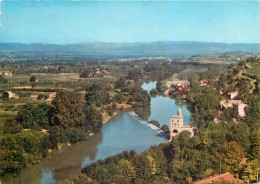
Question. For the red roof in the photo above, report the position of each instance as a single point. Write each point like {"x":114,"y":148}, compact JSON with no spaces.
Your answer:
{"x":226,"y":177}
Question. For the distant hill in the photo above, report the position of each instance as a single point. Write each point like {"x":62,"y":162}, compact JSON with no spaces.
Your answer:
{"x":151,"y":49}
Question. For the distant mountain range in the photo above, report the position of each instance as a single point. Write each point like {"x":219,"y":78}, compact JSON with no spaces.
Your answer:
{"x":102,"y":49}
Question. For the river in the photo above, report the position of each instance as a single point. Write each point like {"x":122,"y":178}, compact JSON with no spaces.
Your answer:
{"x":125,"y":131}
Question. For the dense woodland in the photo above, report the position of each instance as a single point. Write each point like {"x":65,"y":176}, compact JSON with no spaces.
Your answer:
{"x":72,"y":117}
{"x":36,"y":127}
{"x":187,"y":159}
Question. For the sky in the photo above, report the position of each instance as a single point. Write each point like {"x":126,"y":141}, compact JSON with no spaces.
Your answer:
{"x":65,"y":22}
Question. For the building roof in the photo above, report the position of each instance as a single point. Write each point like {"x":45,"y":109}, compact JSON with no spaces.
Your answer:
{"x":10,"y":93}
{"x":233,"y":93}
{"x":226,"y":177}
{"x":231,"y":102}
{"x":52,"y":95}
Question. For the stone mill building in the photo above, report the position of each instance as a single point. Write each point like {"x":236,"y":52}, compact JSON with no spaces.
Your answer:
{"x":177,"y":125}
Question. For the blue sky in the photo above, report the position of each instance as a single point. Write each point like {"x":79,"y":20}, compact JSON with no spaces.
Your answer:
{"x":129,"y":21}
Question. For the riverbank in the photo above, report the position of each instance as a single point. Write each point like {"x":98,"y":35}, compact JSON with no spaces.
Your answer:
{"x":106,"y":118}
{"x":121,"y":131}
{"x":120,"y":107}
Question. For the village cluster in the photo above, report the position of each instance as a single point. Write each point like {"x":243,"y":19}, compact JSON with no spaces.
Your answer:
{"x":176,"y":121}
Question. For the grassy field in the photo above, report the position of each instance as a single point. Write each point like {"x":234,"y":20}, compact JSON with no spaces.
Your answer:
{"x":185,"y":74}
{"x":19,"y":83}
{"x":253,"y":71}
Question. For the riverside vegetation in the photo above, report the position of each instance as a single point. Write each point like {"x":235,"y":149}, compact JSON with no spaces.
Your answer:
{"x":187,"y":159}
{"x":34,"y":128}
{"x":31,"y":128}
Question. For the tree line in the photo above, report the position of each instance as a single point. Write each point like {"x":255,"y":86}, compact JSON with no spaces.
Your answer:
{"x":36,"y":128}
{"x":218,"y":147}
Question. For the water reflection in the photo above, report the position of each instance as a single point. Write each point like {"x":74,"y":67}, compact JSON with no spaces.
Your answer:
{"x":123,"y":132}
{"x":69,"y":161}
{"x":61,"y":164}
{"x":162,"y":108}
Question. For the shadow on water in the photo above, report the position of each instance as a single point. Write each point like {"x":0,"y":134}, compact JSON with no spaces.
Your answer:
{"x":164,"y":135}
{"x":61,"y":164}
{"x":124,"y":132}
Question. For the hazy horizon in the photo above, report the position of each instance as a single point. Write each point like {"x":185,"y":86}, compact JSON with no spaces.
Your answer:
{"x":159,"y":41}
{"x":68,"y":22}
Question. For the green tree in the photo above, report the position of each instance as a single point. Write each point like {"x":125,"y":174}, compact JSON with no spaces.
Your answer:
{"x":153,"y":92}
{"x":11,"y":154}
{"x":119,"y":180}
{"x":5,"y":94}
{"x":56,"y":135}
{"x":93,"y":95}
{"x":3,"y":80}
{"x":74,"y":134}
{"x":160,"y":86}
{"x":12,"y":126}
{"x":194,"y":80}
{"x":44,"y":145}
{"x":233,"y":155}
{"x":114,"y":106}
{"x":155,"y":123}
{"x":157,"y":157}
{"x":135,"y":74}
{"x":241,"y":134}
{"x":101,"y":174}
{"x":42,"y":115}
{"x":253,"y":107}
{"x":10,"y":159}
{"x":93,"y":120}
{"x":81,"y":179}
{"x":144,"y":167}
{"x":68,"y":110}
{"x":250,"y":171}
{"x":204,"y":102}
{"x":127,"y":169}
{"x":31,"y":143}
{"x":30,"y":116}
{"x":119,"y":98}
{"x":165,"y":129}
{"x":254,"y":149}
{"x":120,"y":83}
{"x":25,"y":116}
{"x":33,"y":79}
{"x":113,"y":169}
{"x":85,"y":74}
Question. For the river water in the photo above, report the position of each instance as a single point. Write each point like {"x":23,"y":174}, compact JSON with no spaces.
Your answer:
{"x":126,"y":131}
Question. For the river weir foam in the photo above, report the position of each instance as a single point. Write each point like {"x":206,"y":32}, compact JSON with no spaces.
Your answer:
{"x":126,"y":131}
{"x":136,"y":117}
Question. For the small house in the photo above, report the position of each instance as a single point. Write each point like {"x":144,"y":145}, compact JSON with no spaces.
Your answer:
{"x":12,"y":95}
{"x":232,"y":95}
{"x":52,"y":95}
{"x":181,"y":87}
{"x":34,"y":97}
{"x":237,"y":105}
{"x":220,"y":178}
{"x":9,"y":73}
{"x":203,"y":82}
